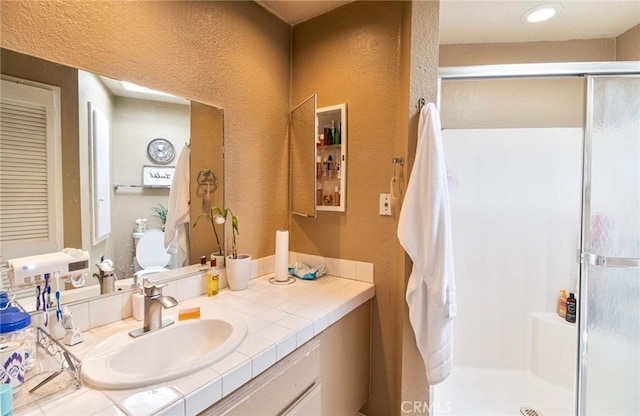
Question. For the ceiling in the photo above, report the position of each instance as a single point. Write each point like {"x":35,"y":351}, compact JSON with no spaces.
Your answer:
{"x":490,"y":21}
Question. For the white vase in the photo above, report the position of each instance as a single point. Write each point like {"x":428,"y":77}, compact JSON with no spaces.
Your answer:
{"x":238,"y":271}
{"x":219,"y":261}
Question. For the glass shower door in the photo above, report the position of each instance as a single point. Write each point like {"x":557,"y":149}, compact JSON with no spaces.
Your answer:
{"x":609,"y":304}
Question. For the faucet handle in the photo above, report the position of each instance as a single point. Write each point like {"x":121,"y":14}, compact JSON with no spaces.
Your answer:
{"x":151,"y":289}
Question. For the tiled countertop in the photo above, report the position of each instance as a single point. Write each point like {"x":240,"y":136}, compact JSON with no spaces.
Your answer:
{"x":279,"y":319}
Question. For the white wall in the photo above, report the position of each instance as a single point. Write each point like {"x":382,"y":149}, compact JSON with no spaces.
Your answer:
{"x":515,"y":206}
{"x":91,"y":89}
{"x":135,"y":123}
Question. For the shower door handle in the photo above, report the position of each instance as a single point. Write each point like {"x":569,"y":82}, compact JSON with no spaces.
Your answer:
{"x":604,"y":261}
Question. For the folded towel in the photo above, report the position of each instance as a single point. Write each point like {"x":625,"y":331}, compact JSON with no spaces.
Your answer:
{"x":424,"y":231}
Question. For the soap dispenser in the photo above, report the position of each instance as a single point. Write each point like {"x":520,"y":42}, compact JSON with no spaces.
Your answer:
{"x":137,"y":303}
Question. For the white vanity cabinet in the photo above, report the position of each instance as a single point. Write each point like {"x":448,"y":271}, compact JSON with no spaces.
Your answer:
{"x":329,"y":375}
{"x":331,"y":158}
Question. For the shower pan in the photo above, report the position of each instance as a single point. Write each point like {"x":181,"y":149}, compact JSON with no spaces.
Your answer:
{"x":536,"y":210}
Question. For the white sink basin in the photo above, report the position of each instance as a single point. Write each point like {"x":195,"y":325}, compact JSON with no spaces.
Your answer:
{"x":122,"y":362}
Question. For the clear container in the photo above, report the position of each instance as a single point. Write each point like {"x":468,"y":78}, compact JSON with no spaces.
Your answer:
{"x":15,"y":325}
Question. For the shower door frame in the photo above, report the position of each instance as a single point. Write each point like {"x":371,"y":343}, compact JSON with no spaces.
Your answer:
{"x":583,"y":70}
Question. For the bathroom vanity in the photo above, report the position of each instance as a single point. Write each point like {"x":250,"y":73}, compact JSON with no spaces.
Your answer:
{"x":306,"y":351}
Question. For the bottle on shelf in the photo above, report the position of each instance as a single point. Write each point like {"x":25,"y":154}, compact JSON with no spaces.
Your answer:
{"x":328,"y":136}
{"x":336,"y":196}
{"x":571,"y":308}
{"x":325,"y":171}
{"x":562,"y":304}
{"x":330,"y":166}
{"x":338,"y":169}
{"x":319,"y":194}
{"x":319,"y":166}
{"x":335,"y":133}
{"x":213,"y":279}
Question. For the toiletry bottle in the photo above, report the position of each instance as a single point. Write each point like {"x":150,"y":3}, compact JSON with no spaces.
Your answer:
{"x":319,"y":194}
{"x":213,"y":279}
{"x":137,"y":304}
{"x":320,"y":141}
{"x":336,"y":196}
{"x":334,"y":133}
{"x":338,"y":169}
{"x":571,"y":308}
{"x":562,"y":304}
{"x":328,"y":138}
{"x":203,"y":264}
{"x":325,"y":169}
{"x":330,"y":166}
{"x":319,"y":166}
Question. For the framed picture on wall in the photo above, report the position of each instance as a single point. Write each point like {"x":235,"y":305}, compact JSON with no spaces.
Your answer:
{"x":157,"y":176}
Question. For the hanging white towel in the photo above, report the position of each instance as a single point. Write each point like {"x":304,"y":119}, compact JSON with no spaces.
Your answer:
{"x":176,"y":235}
{"x":424,"y":230}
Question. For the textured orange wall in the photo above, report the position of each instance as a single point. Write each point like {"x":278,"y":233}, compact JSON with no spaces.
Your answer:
{"x":233,"y":55}
{"x":368,"y":55}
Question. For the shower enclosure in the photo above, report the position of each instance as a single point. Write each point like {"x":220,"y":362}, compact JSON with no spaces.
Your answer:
{"x":544,"y":174}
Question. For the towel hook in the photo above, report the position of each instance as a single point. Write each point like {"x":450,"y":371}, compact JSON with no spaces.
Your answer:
{"x":207,"y":177}
{"x":421,"y":103}
{"x":396,"y":161}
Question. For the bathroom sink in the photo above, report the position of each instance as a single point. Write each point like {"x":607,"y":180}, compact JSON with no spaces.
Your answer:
{"x":122,"y":362}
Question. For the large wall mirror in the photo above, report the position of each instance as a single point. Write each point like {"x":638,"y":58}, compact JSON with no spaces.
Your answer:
{"x":127,"y":170}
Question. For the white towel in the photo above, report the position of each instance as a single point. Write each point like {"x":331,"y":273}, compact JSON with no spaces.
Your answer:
{"x":424,"y":230}
{"x":176,"y":235}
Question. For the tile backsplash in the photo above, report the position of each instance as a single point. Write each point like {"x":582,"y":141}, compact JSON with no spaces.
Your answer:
{"x":115,"y":307}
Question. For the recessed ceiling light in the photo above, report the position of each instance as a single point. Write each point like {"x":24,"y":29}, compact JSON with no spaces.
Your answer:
{"x":541,"y":13}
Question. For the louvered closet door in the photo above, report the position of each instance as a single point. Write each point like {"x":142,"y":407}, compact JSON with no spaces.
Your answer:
{"x":29,"y":172}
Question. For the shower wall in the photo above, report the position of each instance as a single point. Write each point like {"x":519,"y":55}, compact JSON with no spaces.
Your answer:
{"x":515,"y":207}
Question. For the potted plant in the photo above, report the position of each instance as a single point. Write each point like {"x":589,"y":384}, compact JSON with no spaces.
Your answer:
{"x":161,"y":213}
{"x":216,"y":217}
{"x":238,"y":265}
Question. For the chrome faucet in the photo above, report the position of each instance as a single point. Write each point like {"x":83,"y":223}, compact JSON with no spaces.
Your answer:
{"x":154,"y":302}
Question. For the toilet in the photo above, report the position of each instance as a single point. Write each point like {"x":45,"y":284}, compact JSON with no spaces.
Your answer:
{"x":151,"y":255}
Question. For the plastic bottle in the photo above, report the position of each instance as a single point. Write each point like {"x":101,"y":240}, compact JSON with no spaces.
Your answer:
{"x":562,"y":304}
{"x":571,"y":308}
{"x":335,"y":133}
{"x":213,"y":279}
{"x":319,"y":166}
{"x":336,"y":196}
{"x":203,"y":264}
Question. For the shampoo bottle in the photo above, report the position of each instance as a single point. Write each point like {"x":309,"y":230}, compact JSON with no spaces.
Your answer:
{"x":213,"y":279}
{"x":571,"y":308}
{"x":562,"y":304}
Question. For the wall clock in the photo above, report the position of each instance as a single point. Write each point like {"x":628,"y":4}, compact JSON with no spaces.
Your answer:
{"x":161,"y":151}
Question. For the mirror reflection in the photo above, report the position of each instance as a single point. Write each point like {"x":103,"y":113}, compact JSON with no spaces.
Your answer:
{"x":104,"y":176}
{"x":302,"y":155}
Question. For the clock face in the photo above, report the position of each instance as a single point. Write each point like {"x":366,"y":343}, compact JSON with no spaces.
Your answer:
{"x":161,"y":151}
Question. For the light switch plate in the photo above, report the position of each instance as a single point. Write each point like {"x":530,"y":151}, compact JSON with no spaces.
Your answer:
{"x":385,"y":204}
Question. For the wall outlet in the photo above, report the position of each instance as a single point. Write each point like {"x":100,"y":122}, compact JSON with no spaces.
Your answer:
{"x":385,"y":204}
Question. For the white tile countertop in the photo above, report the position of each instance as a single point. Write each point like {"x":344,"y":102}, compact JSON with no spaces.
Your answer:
{"x":279,"y":319}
